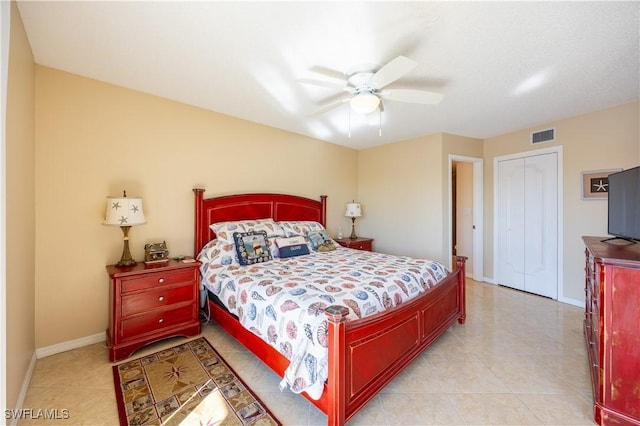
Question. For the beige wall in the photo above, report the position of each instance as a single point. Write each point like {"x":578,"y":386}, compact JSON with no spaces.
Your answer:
{"x":404,"y":190}
{"x":94,"y":139}
{"x":20,"y":209}
{"x":399,"y":186}
{"x":600,"y":140}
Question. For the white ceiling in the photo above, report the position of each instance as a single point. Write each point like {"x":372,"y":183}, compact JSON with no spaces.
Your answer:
{"x":501,"y":66}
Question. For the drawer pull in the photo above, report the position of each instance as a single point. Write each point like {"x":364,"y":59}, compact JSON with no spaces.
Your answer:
{"x":160,"y":321}
{"x":161,"y":298}
{"x":161,"y":280}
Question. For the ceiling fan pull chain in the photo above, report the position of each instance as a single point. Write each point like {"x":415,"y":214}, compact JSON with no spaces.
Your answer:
{"x":379,"y":122}
{"x":349,"y":123}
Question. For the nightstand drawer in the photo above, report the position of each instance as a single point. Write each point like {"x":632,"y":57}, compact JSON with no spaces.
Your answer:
{"x":163,"y":296}
{"x":359,"y":243}
{"x":157,"y":279}
{"x":361,"y":246}
{"x":137,"y":325}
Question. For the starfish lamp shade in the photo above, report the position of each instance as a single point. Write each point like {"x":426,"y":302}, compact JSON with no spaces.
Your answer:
{"x":124,"y":212}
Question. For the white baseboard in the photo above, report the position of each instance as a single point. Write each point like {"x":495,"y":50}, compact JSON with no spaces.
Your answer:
{"x":24,"y":389}
{"x":51,"y":350}
{"x":71,"y":344}
{"x":578,"y":303}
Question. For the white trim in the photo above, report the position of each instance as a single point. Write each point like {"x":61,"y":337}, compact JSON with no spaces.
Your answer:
{"x":549,"y":150}
{"x":478,"y":211}
{"x":25,"y":388}
{"x":574,"y":302}
{"x":5,"y":33}
{"x":70,"y":344}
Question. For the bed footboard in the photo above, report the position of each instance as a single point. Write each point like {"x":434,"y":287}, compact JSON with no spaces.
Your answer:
{"x":396,"y":338}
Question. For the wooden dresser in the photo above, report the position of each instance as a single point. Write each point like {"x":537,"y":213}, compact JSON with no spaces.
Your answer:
{"x":612,"y":329}
{"x":149,"y":303}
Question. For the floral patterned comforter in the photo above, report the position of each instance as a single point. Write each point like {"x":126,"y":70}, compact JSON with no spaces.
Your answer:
{"x":283,"y":300}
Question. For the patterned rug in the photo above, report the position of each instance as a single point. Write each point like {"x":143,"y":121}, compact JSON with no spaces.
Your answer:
{"x":188,"y":384}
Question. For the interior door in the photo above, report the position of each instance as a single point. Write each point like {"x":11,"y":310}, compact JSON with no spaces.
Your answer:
{"x":527,"y":204}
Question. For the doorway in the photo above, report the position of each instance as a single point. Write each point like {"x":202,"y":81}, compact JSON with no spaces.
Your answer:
{"x":465,"y":213}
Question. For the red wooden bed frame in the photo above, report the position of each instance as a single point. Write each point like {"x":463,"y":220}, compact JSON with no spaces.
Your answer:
{"x":364,"y":354}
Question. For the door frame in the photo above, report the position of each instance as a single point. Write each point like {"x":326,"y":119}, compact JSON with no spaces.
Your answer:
{"x":478,"y":221}
{"x":560,"y":180}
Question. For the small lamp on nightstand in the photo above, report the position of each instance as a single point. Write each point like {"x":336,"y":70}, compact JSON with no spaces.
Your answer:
{"x":353,"y":210}
{"x":124,"y":212}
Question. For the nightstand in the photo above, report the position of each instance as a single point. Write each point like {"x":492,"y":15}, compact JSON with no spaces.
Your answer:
{"x":359,"y":243}
{"x":151,"y":302}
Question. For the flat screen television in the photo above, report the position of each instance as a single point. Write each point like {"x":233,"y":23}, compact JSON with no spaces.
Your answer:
{"x":624,"y":204}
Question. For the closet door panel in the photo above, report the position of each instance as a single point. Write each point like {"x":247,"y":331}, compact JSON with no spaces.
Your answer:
{"x":541,"y":225}
{"x":511,"y":219}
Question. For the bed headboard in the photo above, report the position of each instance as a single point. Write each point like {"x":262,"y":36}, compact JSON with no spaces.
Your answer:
{"x":252,"y":206}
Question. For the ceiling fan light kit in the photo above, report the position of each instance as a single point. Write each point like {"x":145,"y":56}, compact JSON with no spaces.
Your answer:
{"x":364,"y":103}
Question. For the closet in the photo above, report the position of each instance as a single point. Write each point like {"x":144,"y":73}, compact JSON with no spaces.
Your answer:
{"x":527,"y":222}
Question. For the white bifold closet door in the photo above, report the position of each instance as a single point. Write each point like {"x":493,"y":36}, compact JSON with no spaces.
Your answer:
{"x":527,"y":225}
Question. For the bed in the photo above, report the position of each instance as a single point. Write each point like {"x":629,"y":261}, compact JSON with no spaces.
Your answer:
{"x":363,"y":354}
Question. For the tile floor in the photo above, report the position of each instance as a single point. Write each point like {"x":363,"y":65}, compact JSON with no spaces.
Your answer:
{"x":520,"y":359}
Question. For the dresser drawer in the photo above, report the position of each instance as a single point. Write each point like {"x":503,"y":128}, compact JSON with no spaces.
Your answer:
{"x":157,"y":298}
{"x":154,"y":320}
{"x":155,"y":279}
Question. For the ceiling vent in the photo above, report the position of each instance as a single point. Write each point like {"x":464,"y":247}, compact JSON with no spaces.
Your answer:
{"x":543,"y":136}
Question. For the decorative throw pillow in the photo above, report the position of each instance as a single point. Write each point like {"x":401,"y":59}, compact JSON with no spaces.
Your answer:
{"x":293,"y":228}
{"x":224,"y":230}
{"x":251,"y":247}
{"x":294,"y":246}
{"x":218,"y":252}
{"x":321,"y":241}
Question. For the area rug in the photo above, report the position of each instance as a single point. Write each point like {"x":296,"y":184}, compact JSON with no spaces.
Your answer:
{"x":188,"y":384}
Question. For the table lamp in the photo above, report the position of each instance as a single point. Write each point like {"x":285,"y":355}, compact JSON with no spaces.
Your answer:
{"x":353,"y":210}
{"x":124,"y":212}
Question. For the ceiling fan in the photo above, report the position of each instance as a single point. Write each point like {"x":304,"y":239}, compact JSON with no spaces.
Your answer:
{"x":367,"y":88}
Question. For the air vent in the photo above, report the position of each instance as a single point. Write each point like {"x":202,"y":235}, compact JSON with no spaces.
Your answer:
{"x":543,"y":136}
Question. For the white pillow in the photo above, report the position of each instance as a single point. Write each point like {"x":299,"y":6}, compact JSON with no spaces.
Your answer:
{"x":294,"y":228}
{"x":224,"y":230}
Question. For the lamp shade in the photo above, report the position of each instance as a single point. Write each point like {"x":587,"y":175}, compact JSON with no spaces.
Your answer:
{"x":364,"y":103}
{"x":124,"y":211}
{"x":353,"y":210}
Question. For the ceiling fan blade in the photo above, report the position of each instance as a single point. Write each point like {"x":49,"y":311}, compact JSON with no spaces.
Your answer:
{"x":323,"y":83}
{"x":331,"y":106}
{"x":392,"y":71}
{"x":328,"y":72}
{"x":412,"y":96}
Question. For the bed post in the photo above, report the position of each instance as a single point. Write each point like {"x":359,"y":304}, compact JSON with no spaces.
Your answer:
{"x":197,"y":240}
{"x":460,"y":263}
{"x":336,"y":397}
{"x":323,"y":212}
